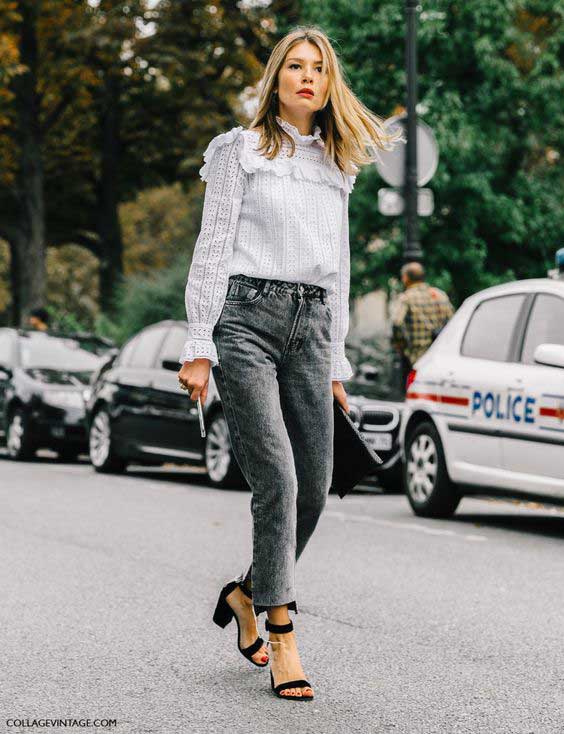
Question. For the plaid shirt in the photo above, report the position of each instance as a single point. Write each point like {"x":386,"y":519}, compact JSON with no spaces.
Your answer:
{"x":419,"y":310}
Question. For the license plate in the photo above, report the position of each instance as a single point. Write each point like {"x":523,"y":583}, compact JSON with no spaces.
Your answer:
{"x":378,"y":441}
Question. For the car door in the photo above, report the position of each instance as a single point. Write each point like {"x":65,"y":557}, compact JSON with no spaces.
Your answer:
{"x":6,"y":365}
{"x":534,"y":444}
{"x":176,"y":423}
{"x":478,"y":373}
{"x":133,"y":377}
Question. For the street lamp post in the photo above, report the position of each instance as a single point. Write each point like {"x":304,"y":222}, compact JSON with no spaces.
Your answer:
{"x":412,"y":248}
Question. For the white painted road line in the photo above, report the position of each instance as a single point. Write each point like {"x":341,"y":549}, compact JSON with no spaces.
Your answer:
{"x":404,"y":525}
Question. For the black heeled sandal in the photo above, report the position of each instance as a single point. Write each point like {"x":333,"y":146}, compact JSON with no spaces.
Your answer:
{"x":224,"y":614}
{"x":281,"y":629}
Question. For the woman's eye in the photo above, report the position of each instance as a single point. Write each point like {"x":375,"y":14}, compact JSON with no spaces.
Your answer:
{"x":319,"y":68}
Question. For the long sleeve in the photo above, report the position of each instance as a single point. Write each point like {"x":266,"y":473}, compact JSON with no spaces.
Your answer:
{"x":339,"y":302}
{"x":207,"y":282}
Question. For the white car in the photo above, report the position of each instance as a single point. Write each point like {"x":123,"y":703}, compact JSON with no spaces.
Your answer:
{"x":484,"y":407}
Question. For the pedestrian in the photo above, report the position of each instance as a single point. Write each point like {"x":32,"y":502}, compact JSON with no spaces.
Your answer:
{"x":420,"y":313}
{"x":267,"y":310}
{"x":39,"y":319}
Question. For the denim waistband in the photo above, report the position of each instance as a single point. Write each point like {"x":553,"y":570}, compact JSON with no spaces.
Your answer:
{"x":308,"y":290}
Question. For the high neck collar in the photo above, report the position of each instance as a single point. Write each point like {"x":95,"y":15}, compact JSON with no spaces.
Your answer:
{"x":295,"y":133}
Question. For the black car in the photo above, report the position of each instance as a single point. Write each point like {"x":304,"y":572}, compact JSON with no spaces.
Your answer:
{"x":376,"y":399}
{"x":44,"y":384}
{"x":138,"y":413}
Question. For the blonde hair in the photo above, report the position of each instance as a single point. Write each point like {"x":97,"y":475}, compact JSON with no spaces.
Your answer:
{"x":351,"y":132}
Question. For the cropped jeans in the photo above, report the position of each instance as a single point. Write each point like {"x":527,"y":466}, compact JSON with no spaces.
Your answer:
{"x":273,"y":339}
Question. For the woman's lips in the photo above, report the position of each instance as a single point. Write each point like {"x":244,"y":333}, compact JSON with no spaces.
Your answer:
{"x":306,"y":94}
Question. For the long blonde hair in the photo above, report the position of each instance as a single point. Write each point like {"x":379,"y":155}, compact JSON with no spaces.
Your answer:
{"x":351,"y":132}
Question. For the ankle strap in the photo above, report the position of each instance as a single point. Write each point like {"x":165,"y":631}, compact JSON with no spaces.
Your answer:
{"x":279,"y":628}
{"x":245,"y":591}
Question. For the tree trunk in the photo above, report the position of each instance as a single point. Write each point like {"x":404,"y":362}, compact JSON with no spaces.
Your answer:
{"x":15,"y":267}
{"x":28,"y":248}
{"x":109,"y":229}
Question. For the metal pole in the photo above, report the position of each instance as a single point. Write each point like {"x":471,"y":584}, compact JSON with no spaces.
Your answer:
{"x":412,"y":249}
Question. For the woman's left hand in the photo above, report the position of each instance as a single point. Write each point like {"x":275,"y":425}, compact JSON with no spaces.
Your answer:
{"x":340,"y":395}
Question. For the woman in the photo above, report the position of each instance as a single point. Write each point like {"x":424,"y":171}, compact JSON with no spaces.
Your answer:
{"x":267,"y":308}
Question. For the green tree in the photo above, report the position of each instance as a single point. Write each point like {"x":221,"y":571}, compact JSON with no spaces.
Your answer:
{"x":490,"y":86}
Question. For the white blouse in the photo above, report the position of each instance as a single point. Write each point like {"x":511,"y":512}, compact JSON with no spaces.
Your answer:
{"x":285,"y":218}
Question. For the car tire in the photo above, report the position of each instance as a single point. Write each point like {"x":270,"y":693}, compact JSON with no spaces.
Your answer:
{"x":19,"y":439}
{"x":221,"y":465}
{"x":101,"y":446}
{"x":429,"y":489}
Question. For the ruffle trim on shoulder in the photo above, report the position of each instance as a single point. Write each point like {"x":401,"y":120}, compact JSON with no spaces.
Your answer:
{"x":215,"y":143}
{"x":320,"y":172}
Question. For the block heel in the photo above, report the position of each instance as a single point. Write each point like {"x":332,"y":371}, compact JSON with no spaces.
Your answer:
{"x":223,"y":614}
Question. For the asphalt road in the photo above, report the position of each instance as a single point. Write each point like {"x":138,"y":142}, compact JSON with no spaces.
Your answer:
{"x":108,"y":585}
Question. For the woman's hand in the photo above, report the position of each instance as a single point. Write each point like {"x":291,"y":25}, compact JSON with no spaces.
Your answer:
{"x":194,"y":376}
{"x":340,"y":395}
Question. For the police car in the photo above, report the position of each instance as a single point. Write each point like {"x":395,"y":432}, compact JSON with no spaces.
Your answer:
{"x":484,"y":407}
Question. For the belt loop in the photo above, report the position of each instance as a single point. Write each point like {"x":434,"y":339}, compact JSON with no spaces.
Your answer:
{"x":266,"y":287}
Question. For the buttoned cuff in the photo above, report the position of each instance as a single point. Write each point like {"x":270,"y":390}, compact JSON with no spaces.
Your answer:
{"x":340,"y":366}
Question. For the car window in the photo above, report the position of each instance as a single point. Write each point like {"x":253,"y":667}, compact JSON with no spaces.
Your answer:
{"x":50,"y":352}
{"x":489,"y":333}
{"x":546,"y":325}
{"x":126,"y":353}
{"x":6,"y":348}
{"x":146,"y":350}
{"x":172,"y":346}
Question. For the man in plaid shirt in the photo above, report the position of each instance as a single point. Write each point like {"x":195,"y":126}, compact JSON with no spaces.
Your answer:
{"x":420,"y":313}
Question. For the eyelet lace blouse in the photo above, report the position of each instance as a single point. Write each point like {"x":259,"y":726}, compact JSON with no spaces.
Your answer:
{"x":285,"y":218}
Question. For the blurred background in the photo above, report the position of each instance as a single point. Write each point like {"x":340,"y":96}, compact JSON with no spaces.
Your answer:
{"x":106,"y":108}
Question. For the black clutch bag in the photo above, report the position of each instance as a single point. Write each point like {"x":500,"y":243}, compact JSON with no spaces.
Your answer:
{"x":353,"y":459}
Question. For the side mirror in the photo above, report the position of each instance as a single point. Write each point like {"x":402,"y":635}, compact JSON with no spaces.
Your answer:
{"x":171,"y":364}
{"x":550,"y":354}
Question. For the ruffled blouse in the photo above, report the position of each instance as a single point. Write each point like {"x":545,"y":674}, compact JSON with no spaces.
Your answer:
{"x":285,"y":218}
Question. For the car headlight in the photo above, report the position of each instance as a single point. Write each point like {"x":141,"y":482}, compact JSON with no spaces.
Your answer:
{"x":63,"y":398}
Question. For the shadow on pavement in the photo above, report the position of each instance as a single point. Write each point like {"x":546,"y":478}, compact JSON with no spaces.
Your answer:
{"x":547,"y":525}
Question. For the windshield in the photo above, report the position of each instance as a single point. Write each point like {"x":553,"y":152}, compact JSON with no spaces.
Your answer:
{"x":57,"y":353}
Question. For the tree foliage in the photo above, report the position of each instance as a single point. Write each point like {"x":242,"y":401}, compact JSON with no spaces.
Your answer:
{"x":491,"y":88}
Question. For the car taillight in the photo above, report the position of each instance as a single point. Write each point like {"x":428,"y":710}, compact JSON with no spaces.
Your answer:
{"x":410,"y":378}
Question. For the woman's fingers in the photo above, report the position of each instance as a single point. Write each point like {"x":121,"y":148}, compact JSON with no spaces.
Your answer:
{"x":194,"y":377}
{"x":340,"y":395}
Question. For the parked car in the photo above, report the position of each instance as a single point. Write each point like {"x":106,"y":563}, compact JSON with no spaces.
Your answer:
{"x":379,"y":423}
{"x":44,"y":382}
{"x":138,"y":413}
{"x":376,"y":398}
{"x":485,"y":405}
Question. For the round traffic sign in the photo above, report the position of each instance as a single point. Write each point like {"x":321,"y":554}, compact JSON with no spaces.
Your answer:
{"x":391,"y":165}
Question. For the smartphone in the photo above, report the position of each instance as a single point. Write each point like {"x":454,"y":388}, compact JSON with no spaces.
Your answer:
{"x":201,"y":417}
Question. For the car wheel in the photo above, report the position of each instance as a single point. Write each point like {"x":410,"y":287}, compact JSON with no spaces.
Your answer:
{"x":18,"y":437}
{"x":428,"y":487}
{"x":101,"y":447}
{"x":221,"y":465}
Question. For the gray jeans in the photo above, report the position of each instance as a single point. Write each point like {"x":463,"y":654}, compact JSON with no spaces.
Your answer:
{"x":273,"y":339}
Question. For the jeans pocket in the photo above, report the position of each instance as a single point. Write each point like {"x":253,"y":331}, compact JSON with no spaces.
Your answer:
{"x":240,"y":292}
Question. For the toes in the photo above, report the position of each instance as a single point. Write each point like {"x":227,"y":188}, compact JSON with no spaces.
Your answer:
{"x":307,"y":692}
